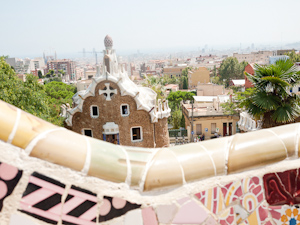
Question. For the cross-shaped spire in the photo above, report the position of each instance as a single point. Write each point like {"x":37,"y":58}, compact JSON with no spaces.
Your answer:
{"x":108,"y":92}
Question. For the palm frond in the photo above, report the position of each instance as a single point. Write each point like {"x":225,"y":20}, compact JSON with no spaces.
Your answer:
{"x":276,"y":81}
{"x":286,"y":113}
{"x":266,"y":101}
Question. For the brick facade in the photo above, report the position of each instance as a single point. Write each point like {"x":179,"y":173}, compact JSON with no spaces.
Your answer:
{"x":110,"y":111}
{"x":249,"y":69}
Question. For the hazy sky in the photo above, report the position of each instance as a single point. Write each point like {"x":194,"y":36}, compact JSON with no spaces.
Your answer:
{"x":29,"y":27}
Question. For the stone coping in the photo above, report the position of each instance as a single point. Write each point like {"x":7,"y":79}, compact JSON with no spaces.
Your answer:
{"x":147,"y":169}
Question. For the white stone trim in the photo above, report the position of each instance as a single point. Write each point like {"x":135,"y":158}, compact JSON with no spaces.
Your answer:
{"x":141,"y":134}
{"x":110,"y":128}
{"x":14,"y":130}
{"x":91,"y":111}
{"x":121,"y":111}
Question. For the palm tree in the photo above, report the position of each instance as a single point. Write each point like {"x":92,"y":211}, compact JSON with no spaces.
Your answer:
{"x":272,"y":100}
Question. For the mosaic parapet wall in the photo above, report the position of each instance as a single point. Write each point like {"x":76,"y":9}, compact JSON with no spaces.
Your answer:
{"x":36,"y":192}
{"x":49,"y":175}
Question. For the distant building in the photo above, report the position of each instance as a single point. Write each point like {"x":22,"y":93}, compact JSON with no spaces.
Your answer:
{"x":274,"y":59}
{"x":240,"y":83}
{"x":173,"y":71}
{"x":210,"y":89}
{"x":171,"y":87}
{"x":260,"y":57}
{"x":198,"y":76}
{"x":208,"y":117}
{"x":83,"y":84}
{"x":249,"y":69}
{"x":116,"y":110}
{"x":79,"y":73}
{"x":89,"y":74}
{"x":39,"y":63}
{"x":12,"y":62}
{"x":284,"y":51}
{"x":67,"y":65}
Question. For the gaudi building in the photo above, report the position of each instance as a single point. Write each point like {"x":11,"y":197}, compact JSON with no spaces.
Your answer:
{"x":116,"y":110}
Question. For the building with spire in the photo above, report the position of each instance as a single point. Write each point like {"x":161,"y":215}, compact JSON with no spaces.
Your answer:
{"x":116,"y":110}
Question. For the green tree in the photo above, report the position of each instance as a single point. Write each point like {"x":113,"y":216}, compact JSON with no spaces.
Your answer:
{"x":61,"y":73}
{"x":28,"y":96}
{"x":185,"y":84}
{"x":182,"y":121}
{"x":43,"y":101}
{"x":155,"y":84}
{"x":272,"y":99}
{"x":293,"y":56}
{"x":214,"y":71}
{"x":50,"y":74}
{"x":40,"y":74}
{"x":230,"y":68}
{"x":175,"y":98}
{"x":235,"y":105}
{"x":59,"y":93}
{"x":176,"y":119}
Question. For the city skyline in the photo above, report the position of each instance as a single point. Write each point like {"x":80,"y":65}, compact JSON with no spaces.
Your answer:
{"x":32,"y":27}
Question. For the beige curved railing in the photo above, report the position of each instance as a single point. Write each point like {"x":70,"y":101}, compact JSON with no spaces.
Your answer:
{"x":147,"y":169}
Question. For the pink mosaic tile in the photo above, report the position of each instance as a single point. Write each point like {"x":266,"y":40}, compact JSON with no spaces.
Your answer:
{"x":9,"y":178}
{"x":276,"y":212}
{"x":231,"y":192}
{"x":259,"y":216}
{"x":212,"y":199}
{"x":250,"y":183}
{"x":149,"y":216}
{"x":80,"y":207}
{"x":190,"y":213}
{"x":166,"y":213}
{"x":252,"y":198}
{"x":42,"y":198}
{"x":210,"y":221}
{"x":227,"y":217}
{"x":183,"y":200}
{"x":113,"y":207}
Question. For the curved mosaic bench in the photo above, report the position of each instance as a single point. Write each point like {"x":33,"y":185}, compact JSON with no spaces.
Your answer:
{"x":250,"y":178}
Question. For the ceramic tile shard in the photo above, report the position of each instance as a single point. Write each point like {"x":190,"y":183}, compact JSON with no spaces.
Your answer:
{"x":9,"y":178}
{"x":227,"y":217}
{"x":212,"y":199}
{"x":166,"y":213}
{"x":113,"y":207}
{"x":276,"y":212}
{"x":80,"y":207}
{"x":259,"y":216}
{"x":42,"y":198}
{"x":149,"y":216}
{"x":252,"y":198}
{"x":232,"y":192}
{"x":190,"y":213}
{"x":210,"y":221}
{"x":17,"y":219}
{"x":285,"y":214}
{"x":282,"y":187}
{"x":133,"y":217}
{"x":249,"y":183}
{"x":240,"y":213}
